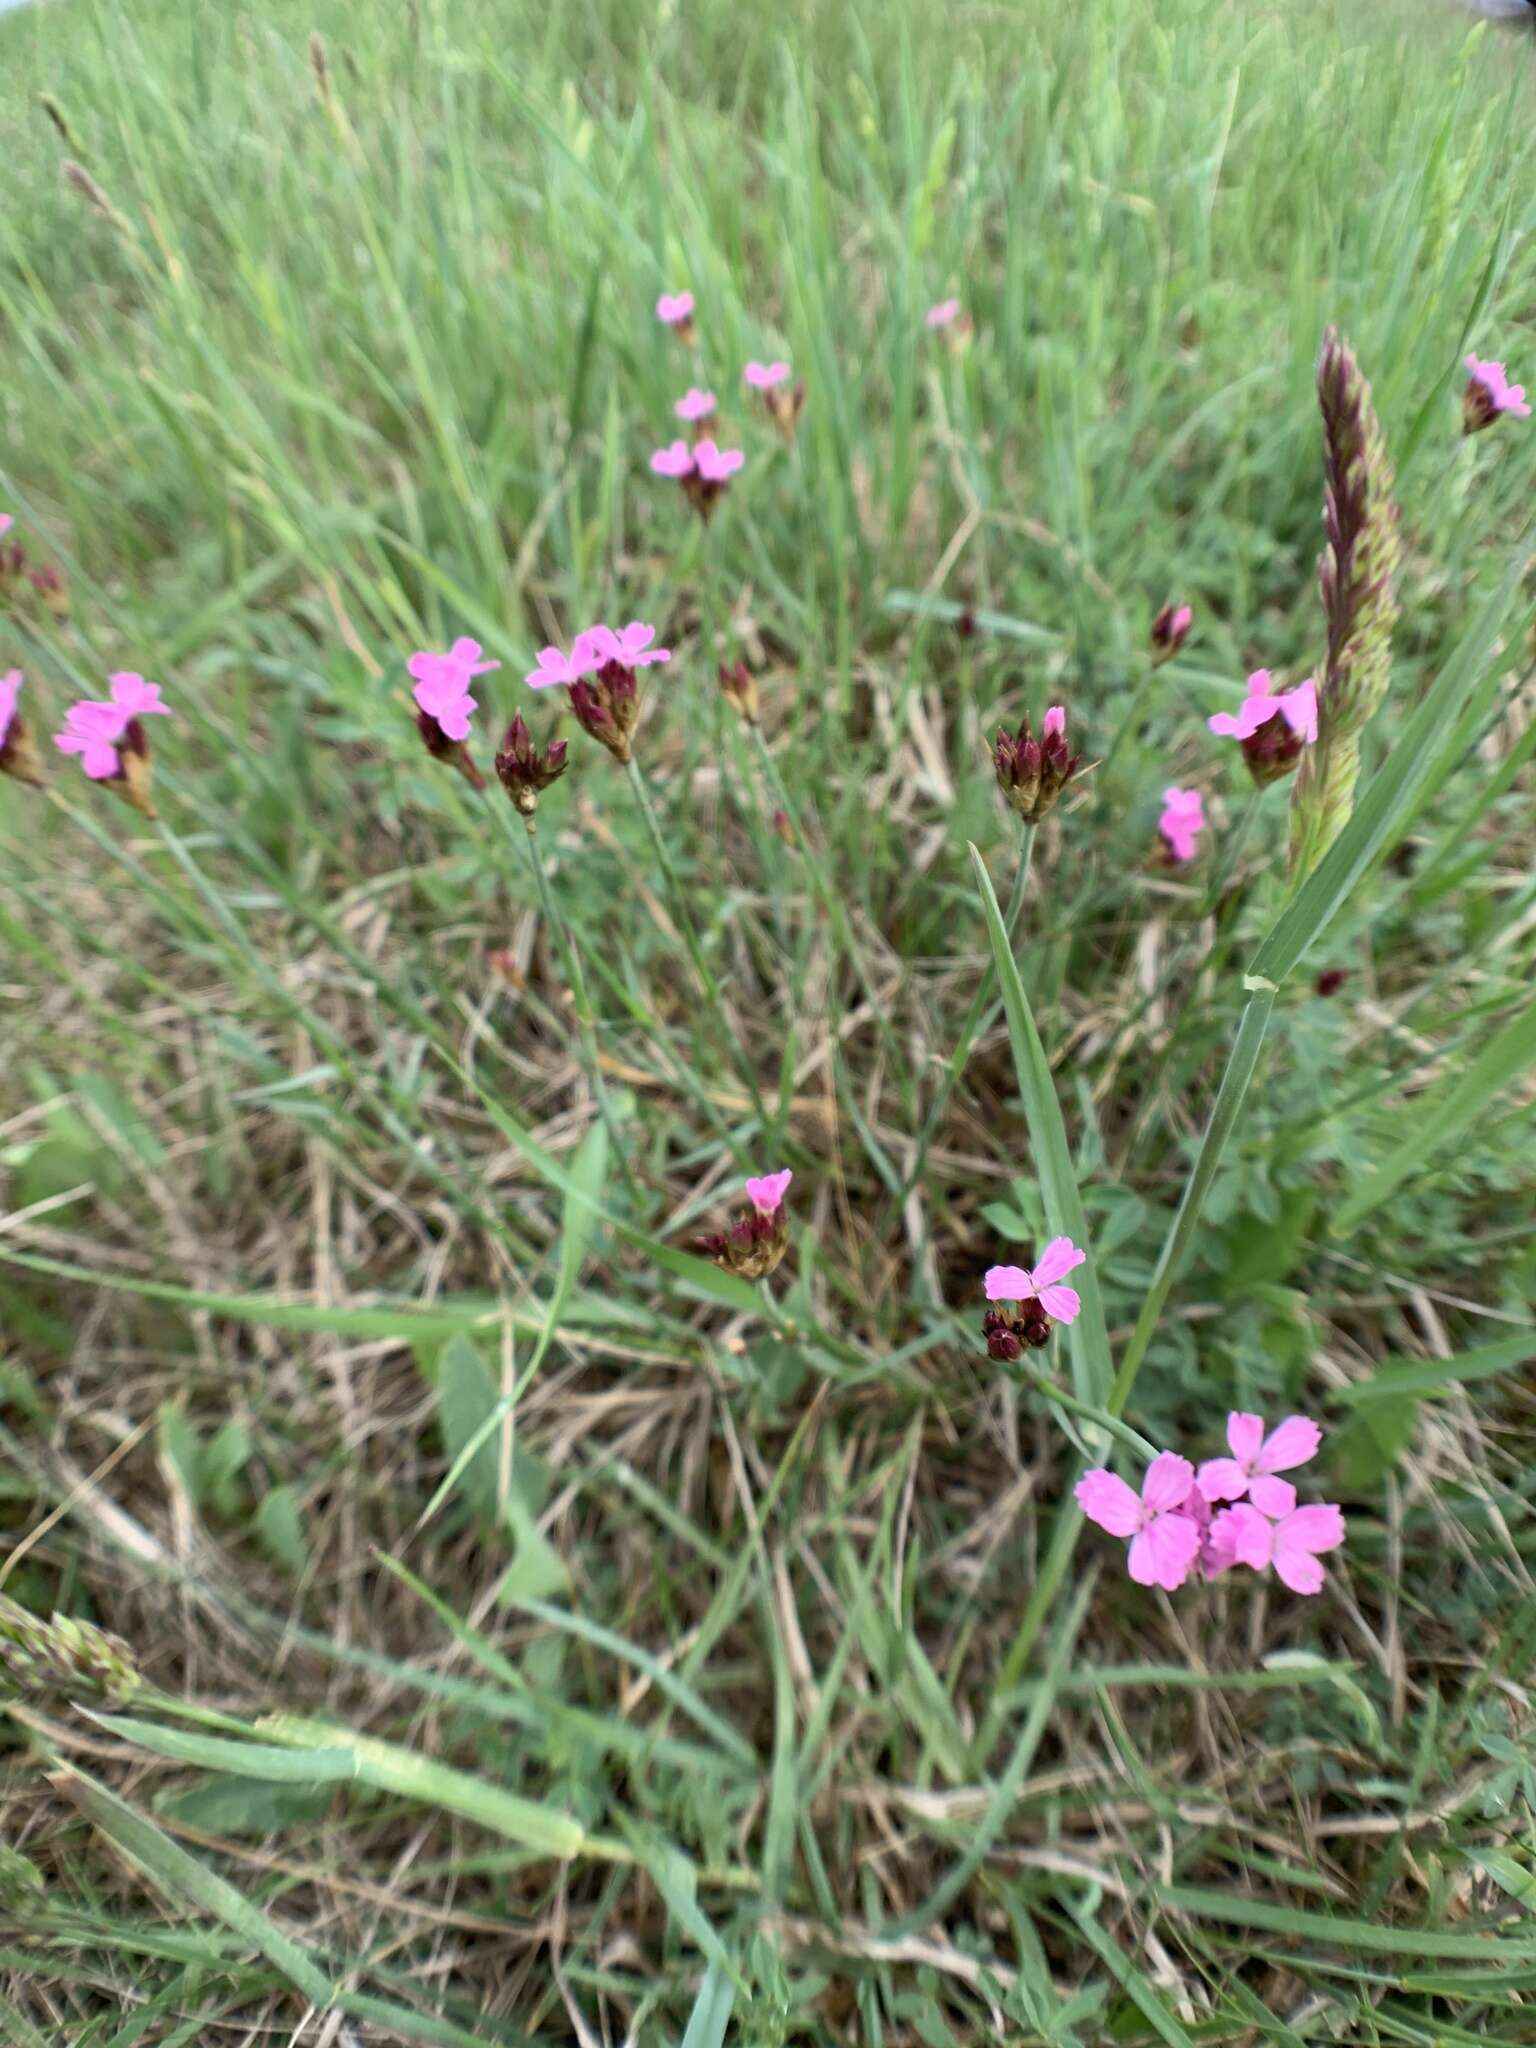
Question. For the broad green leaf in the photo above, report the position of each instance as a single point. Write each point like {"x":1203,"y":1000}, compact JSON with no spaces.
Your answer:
{"x":1462,"y":1097}
{"x":280,"y":1530}
{"x":1092,"y":1369}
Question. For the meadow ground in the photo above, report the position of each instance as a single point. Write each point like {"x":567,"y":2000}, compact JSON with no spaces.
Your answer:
{"x":544,"y":1633}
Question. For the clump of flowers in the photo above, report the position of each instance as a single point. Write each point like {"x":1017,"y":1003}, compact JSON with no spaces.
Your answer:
{"x":1178,"y":1525}
{"x":18,"y":751}
{"x":784,"y":402}
{"x":675,"y":310}
{"x":1272,"y":726}
{"x":758,"y":1239}
{"x":738,"y":686}
{"x":1031,"y":1301}
{"x":1182,"y":821}
{"x":1488,"y":394}
{"x":695,"y":406}
{"x":1170,"y":629}
{"x":110,"y":738}
{"x":1032,"y":772}
{"x":600,"y":674}
{"x":525,"y":773}
{"x":444,"y":706}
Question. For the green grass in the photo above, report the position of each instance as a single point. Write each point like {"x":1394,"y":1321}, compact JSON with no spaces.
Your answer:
{"x":545,"y":1634}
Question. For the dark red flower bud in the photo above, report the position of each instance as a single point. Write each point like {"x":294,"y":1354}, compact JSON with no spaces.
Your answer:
{"x":752,"y":1247}
{"x":1032,"y":773}
{"x":1170,"y":629}
{"x":608,"y":707}
{"x":523,"y":771}
{"x":441,"y":748}
{"x":738,"y":686}
{"x":1331,"y":980}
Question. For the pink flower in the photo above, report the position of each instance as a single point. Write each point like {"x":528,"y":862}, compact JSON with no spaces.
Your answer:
{"x":1256,"y":1458}
{"x":1017,"y":1283}
{"x":1182,"y":821}
{"x":10,"y":690}
{"x":132,"y":697}
{"x":764,"y":376}
{"x":442,"y":685}
{"x":769,"y":1189}
{"x":632,"y":645}
{"x":675,"y":309}
{"x":1488,"y":393}
{"x":1164,"y":1542}
{"x":1292,"y":1543}
{"x":1298,"y":709}
{"x":589,"y":650}
{"x":7,"y":521}
{"x":1055,"y":723}
{"x":717,"y":465}
{"x":92,"y":730}
{"x":944,"y":314}
{"x":695,"y":405}
{"x":675,"y":460}
{"x":1170,"y":629}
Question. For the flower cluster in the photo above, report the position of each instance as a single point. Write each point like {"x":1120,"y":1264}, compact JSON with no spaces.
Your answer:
{"x":1032,"y":772}
{"x":704,"y":470}
{"x":758,"y":1239}
{"x":1030,"y":1301}
{"x":600,"y":674}
{"x":1233,"y":1511}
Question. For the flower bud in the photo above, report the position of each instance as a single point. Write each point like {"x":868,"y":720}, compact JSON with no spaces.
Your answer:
{"x":441,"y":748}
{"x":608,"y":707}
{"x":523,"y":771}
{"x":738,"y":686}
{"x":1170,"y":629}
{"x":1032,"y":773}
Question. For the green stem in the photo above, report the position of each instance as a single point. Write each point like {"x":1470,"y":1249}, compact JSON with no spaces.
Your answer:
{"x":973,"y":1025}
{"x":685,"y":925}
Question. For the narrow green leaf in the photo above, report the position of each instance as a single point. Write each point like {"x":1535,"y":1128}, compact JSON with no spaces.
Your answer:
{"x":1092,"y":1369}
{"x":1459,"y":1099}
{"x":1236,"y":1911}
{"x":711,"y":2013}
{"x":1399,"y":1378}
{"x":1142,"y":1992}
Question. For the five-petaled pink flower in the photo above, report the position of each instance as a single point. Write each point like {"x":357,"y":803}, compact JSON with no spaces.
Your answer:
{"x":695,"y":405}
{"x":944,"y":314}
{"x":1488,"y":393}
{"x":1292,"y":1543}
{"x":1255,"y":1460}
{"x":1164,"y":1543}
{"x":768,"y":1190}
{"x":630,"y":646}
{"x":717,"y":465}
{"x":675,"y":460}
{"x":442,"y":685}
{"x":1182,"y":821}
{"x":1043,"y":1284}
{"x":94,"y":730}
{"x":1297,"y":707}
{"x":675,"y":309}
{"x":764,"y":376}
{"x":587,"y":655}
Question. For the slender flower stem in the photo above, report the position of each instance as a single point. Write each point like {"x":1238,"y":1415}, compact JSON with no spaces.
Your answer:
{"x":973,"y":1026}
{"x":685,"y":925}
{"x":570,"y":961}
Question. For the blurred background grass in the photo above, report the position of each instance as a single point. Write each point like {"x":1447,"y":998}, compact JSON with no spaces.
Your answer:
{"x":345,"y":346}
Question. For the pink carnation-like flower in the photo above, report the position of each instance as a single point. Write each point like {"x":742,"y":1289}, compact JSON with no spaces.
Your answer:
{"x":717,"y":465}
{"x":1018,"y":1283}
{"x":1182,"y":821}
{"x":1256,"y":1458}
{"x":1297,"y":707}
{"x":442,"y":685}
{"x":768,"y":1190}
{"x":92,"y":730}
{"x":675,"y":460}
{"x":674,"y":309}
{"x":695,"y":405}
{"x":1489,"y":393}
{"x":10,"y":690}
{"x":764,"y":376}
{"x":944,"y":314}
{"x":1164,"y":1544}
{"x":1292,"y":1543}
{"x":631,"y":645}
{"x":589,"y":650}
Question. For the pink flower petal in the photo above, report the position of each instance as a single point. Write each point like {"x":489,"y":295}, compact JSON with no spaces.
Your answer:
{"x":1299,"y":1539}
{"x":675,"y":460}
{"x":136,"y":698}
{"x":1105,"y":1499}
{"x":1245,"y":1435}
{"x":1055,"y":721}
{"x":1220,"y":1550}
{"x":672,"y":308}
{"x":1164,"y":1552}
{"x":1060,"y":1257}
{"x":695,"y":404}
{"x":1290,"y":1443}
{"x":768,"y":1190}
{"x":1272,"y":1497}
{"x":1063,"y":1303}
{"x":944,"y":314}
{"x":1299,"y":710}
{"x":592,"y":649}
{"x":1168,"y":1480}
{"x":1222,"y":1479}
{"x":764,"y":376}
{"x":1252,"y":1536}
{"x":7,"y":521}
{"x":10,"y":690}
{"x":1009,"y":1283}
{"x":634,"y":646}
